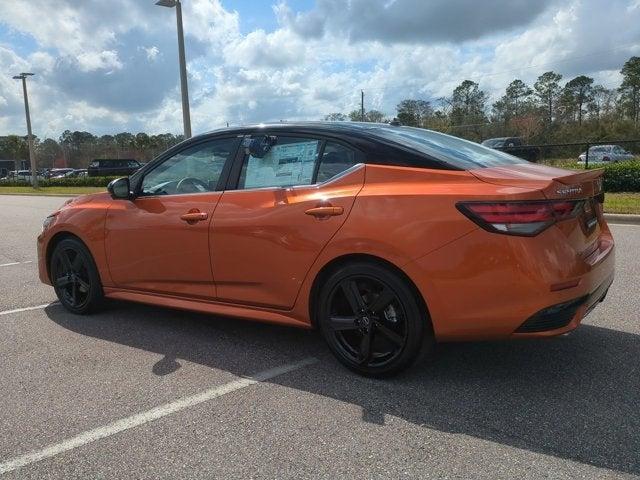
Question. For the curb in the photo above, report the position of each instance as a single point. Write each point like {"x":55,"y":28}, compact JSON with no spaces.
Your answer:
{"x":627,"y":219}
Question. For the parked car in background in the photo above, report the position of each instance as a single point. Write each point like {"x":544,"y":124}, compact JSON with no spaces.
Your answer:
{"x":108,"y":167}
{"x":24,"y":176}
{"x":59,"y":172}
{"x":502,"y":142}
{"x":386,"y":238}
{"x":605,"y":154}
{"x":515,"y":146}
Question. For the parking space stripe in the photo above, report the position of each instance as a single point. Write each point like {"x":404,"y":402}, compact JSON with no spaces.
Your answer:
{"x":15,"y":263}
{"x":26,"y":309}
{"x":148,"y":416}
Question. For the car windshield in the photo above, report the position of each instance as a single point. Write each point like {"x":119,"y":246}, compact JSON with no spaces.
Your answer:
{"x":455,"y":151}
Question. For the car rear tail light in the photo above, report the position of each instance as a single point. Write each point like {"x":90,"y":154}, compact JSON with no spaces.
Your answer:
{"x":519,"y":218}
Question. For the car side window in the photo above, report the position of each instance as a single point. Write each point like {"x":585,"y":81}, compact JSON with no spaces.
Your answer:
{"x":335,"y":160}
{"x":290,"y":161}
{"x":196,"y":169}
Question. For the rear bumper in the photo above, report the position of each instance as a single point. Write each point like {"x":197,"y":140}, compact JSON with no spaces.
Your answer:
{"x":487,"y":286}
{"x":563,"y":317}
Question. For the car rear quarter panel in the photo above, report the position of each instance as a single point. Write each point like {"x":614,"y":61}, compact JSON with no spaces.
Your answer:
{"x":402,"y":214}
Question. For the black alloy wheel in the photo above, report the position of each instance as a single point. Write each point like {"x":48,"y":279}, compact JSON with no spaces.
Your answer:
{"x":75,"y":277}
{"x":371,"y":319}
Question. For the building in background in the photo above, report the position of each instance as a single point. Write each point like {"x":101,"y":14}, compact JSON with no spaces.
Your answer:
{"x":7,"y":166}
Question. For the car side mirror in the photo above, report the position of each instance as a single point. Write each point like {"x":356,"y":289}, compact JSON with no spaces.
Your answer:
{"x":120,"y":189}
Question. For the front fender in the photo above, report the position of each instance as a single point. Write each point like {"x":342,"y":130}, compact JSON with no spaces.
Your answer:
{"x":83,"y":218}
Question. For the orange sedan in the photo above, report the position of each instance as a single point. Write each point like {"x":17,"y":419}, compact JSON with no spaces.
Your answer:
{"x":386,"y":238}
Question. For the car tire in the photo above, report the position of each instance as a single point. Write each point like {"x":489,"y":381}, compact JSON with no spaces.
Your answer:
{"x":75,"y":277}
{"x":373,"y":319}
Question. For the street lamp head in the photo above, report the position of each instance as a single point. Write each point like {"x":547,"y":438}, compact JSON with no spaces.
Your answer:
{"x":22,"y":76}
{"x":27,"y":74}
{"x":167,"y":3}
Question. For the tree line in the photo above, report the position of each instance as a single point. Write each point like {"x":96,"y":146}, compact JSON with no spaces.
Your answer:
{"x":549,"y":111}
{"x":77,"y":149}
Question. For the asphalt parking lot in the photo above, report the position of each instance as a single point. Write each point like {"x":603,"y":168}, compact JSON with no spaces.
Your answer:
{"x":143,"y":392}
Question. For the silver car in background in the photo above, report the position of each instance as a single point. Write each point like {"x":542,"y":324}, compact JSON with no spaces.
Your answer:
{"x":606,"y":154}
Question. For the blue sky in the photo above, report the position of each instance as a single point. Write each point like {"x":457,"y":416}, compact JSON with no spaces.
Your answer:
{"x":259,"y":14}
{"x":107,"y":67}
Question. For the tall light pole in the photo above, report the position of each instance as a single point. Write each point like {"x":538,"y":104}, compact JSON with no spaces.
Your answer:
{"x":186,"y":118}
{"x":32,"y":156}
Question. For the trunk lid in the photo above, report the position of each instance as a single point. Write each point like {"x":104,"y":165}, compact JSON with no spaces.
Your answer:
{"x":555,"y":183}
{"x":585,"y":187}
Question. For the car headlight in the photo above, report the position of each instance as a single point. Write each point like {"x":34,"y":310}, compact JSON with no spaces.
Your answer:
{"x":48,"y":221}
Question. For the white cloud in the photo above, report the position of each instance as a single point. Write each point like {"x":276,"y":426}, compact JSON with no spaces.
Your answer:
{"x":208,"y":21}
{"x":152,"y":52}
{"x":112,"y":66}
{"x":105,"y":60}
{"x":274,"y":50}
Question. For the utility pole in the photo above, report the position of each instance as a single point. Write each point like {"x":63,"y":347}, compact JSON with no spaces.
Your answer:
{"x":186,"y":117}
{"x":32,"y":156}
{"x":362,"y":105}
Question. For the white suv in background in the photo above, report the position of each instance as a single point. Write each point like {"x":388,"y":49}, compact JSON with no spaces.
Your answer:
{"x":605,"y":154}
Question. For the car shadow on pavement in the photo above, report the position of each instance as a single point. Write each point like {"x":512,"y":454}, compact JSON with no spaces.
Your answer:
{"x":575,"y":397}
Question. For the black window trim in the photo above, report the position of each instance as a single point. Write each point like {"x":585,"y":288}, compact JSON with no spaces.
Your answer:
{"x":236,"y":169}
{"x":138,"y":177}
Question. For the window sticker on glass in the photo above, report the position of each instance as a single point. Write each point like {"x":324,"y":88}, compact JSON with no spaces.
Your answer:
{"x":286,"y":163}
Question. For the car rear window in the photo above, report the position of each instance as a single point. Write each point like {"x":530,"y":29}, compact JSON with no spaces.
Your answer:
{"x":454,"y":151}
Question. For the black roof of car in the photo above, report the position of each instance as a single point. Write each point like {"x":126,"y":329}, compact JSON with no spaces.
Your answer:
{"x":352,"y":127}
{"x":349,"y":131}
{"x":380,"y":143}
{"x":358,"y":134}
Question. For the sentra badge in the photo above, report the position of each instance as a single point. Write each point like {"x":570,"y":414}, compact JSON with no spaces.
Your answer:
{"x":569,"y":190}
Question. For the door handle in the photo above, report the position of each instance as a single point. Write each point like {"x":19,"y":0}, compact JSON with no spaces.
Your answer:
{"x":325,"y":211}
{"x":192,"y":217}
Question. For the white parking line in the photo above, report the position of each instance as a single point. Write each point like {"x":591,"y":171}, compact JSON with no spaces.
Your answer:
{"x":148,"y":416}
{"x":15,"y":263}
{"x":26,"y":309}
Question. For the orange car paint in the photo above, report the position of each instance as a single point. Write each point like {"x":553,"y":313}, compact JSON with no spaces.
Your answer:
{"x":150,"y":247}
{"x":263,"y":241}
{"x":258,"y":254}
